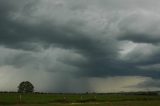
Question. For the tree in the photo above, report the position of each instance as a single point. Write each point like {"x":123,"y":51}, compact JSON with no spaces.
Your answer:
{"x":25,"y":87}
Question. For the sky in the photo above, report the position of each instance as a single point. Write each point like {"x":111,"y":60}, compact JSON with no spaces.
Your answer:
{"x":80,"y":46}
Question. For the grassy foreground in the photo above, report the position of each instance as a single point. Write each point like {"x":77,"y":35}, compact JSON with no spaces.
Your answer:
{"x":16,"y":99}
{"x":129,"y":103}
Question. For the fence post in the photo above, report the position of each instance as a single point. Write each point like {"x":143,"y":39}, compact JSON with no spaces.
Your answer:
{"x":20,"y":98}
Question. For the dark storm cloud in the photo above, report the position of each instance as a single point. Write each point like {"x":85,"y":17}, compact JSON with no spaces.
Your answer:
{"x":139,"y":38}
{"x":141,"y":27}
{"x":82,"y":38}
{"x":149,"y":85}
{"x":17,"y":35}
{"x":101,"y":55}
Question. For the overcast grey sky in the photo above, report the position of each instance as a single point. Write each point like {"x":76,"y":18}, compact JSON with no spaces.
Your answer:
{"x":80,"y":46}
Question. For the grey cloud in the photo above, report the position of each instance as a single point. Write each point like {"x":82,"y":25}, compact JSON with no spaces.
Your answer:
{"x":141,"y":27}
{"x":149,"y":84}
{"x":68,"y":37}
{"x":81,"y":38}
{"x":143,"y":54}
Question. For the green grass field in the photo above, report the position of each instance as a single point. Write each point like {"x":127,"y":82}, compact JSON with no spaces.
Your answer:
{"x":130,"y":103}
{"x":14,"y":99}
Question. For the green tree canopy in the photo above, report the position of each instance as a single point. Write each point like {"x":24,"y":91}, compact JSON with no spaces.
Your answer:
{"x":25,"y":87}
